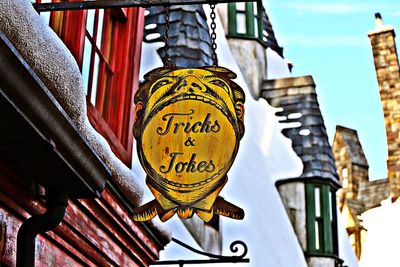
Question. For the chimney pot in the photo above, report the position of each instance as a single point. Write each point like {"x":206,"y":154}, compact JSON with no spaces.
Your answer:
{"x":378,"y":20}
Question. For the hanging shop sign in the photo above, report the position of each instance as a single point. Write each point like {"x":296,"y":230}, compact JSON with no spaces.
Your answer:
{"x":188,"y":125}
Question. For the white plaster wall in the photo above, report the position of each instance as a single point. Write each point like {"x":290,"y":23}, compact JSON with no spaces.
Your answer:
{"x":248,"y":54}
{"x":294,"y":198}
{"x":321,"y":262}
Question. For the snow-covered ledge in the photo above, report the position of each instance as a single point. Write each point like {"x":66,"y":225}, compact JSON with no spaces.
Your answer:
{"x":52,"y":62}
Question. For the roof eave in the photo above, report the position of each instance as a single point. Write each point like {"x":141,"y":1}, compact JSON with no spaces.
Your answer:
{"x":46,"y":124}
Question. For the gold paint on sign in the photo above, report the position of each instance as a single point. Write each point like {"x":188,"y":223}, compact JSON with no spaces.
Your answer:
{"x":188,"y":123}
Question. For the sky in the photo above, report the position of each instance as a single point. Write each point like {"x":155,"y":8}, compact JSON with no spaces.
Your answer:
{"x":328,"y":40}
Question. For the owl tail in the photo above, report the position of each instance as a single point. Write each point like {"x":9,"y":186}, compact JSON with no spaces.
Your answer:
{"x":222,"y":207}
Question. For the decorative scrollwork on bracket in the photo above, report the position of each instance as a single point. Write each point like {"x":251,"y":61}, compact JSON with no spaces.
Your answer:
{"x":234,"y":247}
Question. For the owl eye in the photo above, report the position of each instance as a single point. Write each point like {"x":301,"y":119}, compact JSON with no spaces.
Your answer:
{"x":220,"y":83}
{"x":160,"y":84}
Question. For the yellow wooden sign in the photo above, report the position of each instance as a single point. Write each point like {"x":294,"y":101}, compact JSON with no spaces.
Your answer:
{"x":188,"y":123}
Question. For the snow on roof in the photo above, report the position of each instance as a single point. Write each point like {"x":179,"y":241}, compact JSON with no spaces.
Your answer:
{"x":56,"y":67}
{"x":276,"y":66}
{"x":346,"y":252}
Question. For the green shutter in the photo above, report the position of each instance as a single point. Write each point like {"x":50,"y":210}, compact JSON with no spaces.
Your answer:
{"x":327,"y":229}
{"x":250,"y":20}
{"x":232,"y":19}
{"x":310,"y":217}
{"x":250,"y":16}
{"x":260,"y":21}
{"x":328,"y":244}
{"x":334,"y":225}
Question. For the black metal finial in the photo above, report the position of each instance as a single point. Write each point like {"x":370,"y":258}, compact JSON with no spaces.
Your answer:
{"x":378,"y":15}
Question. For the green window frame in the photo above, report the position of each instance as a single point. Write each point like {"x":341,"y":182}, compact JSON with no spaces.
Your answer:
{"x":321,"y":219}
{"x":249,"y":13}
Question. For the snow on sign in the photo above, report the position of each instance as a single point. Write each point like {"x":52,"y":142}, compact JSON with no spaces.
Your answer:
{"x":188,"y":125}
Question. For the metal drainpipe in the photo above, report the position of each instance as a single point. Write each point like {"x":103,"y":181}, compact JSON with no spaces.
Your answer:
{"x":57,"y":202}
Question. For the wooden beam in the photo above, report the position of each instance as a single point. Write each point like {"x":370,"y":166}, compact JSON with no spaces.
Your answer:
{"x":123,"y":3}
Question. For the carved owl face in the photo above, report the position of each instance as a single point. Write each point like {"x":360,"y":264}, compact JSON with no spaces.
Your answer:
{"x":212,"y":85}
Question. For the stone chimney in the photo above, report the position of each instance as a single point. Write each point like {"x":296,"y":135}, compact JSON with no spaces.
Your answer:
{"x":387,"y":72}
{"x":351,"y":163}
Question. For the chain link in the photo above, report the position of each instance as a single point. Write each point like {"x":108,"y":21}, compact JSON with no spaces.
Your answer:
{"x":213,"y":34}
{"x":167,"y":59}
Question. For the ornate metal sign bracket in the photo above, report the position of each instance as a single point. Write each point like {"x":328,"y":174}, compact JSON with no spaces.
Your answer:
{"x":122,"y":3}
{"x":213,"y":258}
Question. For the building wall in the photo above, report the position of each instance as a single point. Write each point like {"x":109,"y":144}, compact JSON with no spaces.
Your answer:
{"x":380,"y":221}
{"x":348,"y":168}
{"x":388,"y":75}
{"x":96,"y":231}
{"x":250,"y":54}
{"x":294,"y":199}
{"x":371,"y":213}
{"x":320,"y":262}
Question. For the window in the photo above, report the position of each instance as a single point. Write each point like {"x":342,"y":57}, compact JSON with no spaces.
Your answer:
{"x":45,"y":15}
{"x":245,"y":20}
{"x":106,"y":44}
{"x":345,"y":178}
{"x":96,"y":67}
{"x":321,"y":219}
{"x":345,"y":172}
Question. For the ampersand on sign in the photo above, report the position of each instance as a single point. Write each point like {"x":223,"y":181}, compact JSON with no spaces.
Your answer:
{"x":189,"y":142}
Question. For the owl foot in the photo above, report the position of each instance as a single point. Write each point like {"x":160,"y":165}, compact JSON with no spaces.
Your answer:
{"x":227,"y":209}
{"x":146,"y":212}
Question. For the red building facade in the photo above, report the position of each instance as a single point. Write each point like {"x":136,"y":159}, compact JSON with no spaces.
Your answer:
{"x":46,"y":164}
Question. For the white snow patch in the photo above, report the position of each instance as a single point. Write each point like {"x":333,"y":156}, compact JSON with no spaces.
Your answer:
{"x":383,"y":234}
{"x":276,"y":66}
{"x":150,"y":58}
{"x":346,"y":252}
